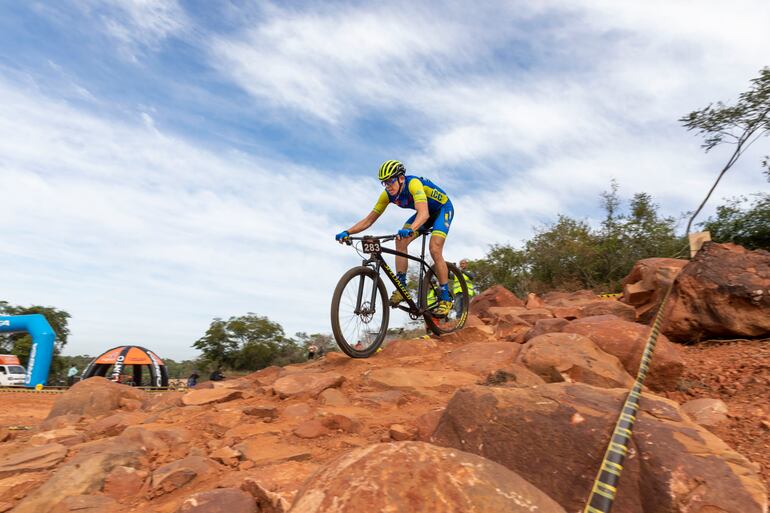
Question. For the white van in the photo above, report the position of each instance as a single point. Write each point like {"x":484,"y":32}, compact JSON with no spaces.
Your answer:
{"x":11,"y":371}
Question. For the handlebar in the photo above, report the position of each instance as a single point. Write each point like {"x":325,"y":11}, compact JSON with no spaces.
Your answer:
{"x":383,"y":238}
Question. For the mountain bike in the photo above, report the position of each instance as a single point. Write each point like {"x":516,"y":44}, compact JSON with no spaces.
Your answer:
{"x":360,"y":306}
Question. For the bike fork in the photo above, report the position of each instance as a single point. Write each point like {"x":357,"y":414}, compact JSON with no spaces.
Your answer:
{"x":360,"y":297}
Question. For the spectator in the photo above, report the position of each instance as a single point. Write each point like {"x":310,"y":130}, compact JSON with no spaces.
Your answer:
{"x":469,"y":277}
{"x":311,"y":351}
{"x":193,"y":379}
{"x":71,"y":374}
{"x":216,"y":375}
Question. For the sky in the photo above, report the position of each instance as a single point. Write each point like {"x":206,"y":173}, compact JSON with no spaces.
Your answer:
{"x":164,"y":163}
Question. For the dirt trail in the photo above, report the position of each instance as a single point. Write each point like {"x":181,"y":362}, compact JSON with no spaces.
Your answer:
{"x":738,"y":373}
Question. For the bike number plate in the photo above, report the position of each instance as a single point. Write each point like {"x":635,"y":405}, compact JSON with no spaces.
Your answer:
{"x":371,"y":246}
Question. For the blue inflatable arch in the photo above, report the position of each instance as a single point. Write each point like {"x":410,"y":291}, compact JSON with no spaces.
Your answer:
{"x":43,"y":338}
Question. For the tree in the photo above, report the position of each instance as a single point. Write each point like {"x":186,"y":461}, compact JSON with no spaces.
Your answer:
{"x":747,"y":226}
{"x":248,"y":342}
{"x":740,"y":125}
{"x":504,"y":265}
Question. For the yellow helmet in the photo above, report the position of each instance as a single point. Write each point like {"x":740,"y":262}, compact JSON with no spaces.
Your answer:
{"x":391,"y":168}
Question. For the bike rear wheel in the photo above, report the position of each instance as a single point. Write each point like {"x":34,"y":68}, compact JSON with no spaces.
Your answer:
{"x":359,"y":331}
{"x":458,"y":314}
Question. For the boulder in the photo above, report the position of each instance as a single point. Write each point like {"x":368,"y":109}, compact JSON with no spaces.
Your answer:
{"x":645,"y":285}
{"x":570,"y":357}
{"x":221,"y":500}
{"x":555,"y":436}
{"x":514,"y":375}
{"x":259,"y":411}
{"x":210,"y":396}
{"x":93,"y":397}
{"x":268,"y":451}
{"x":114,"y":425}
{"x":85,"y":504}
{"x":306,"y":385}
{"x":543,"y":326}
{"x":124,"y":482}
{"x":333,"y":397}
{"x":483,"y":357}
{"x":32,"y":459}
{"x":266,"y":376}
{"x":468,"y":335}
{"x":561,"y":298}
{"x":413,"y":380}
{"x":517,"y":314}
{"x":706,"y":411}
{"x":410,"y":347}
{"x":20,"y":485}
{"x":84,"y":474}
{"x":382,"y":398}
{"x":608,"y":307}
{"x":497,"y":295}
{"x":66,"y":436}
{"x":174,"y":475}
{"x":626,"y":340}
{"x":724,"y":292}
{"x":511,"y":332}
{"x":415,"y":476}
{"x":534,"y":302}
{"x":311,"y":429}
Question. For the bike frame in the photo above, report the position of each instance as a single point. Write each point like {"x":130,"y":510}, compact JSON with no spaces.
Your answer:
{"x":377,"y":262}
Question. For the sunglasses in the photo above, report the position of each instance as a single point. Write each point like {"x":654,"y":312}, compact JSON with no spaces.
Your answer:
{"x":388,"y":183}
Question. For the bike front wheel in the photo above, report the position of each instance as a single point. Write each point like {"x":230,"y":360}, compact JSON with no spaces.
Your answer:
{"x":457,"y":316}
{"x":360,"y":312}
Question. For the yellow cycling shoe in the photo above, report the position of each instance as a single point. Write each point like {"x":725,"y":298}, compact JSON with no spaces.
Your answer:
{"x":444,"y":307}
{"x":396,"y":297}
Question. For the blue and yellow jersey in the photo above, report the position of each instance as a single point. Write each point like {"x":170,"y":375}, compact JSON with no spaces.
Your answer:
{"x":417,"y":190}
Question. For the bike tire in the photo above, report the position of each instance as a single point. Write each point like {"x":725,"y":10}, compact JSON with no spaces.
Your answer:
{"x":436,"y":324}
{"x":381,"y":302}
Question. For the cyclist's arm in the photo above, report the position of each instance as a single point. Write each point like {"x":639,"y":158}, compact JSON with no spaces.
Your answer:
{"x":364,"y":223}
{"x":420,"y":203}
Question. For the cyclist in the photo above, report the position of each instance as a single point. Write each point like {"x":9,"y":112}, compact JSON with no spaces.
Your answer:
{"x":434,"y":213}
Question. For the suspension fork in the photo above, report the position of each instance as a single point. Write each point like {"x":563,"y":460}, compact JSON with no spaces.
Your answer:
{"x":367,"y":263}
{"x":422,"y":271}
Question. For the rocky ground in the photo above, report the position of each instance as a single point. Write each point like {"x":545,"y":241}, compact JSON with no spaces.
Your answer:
{"x":738,"y":373}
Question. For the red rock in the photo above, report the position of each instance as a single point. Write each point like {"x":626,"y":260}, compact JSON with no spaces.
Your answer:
{"x":85,"y":504}
{"x":124,"y":482}
{"x":83,"y":474}
{"x":505,"y":330}
{"x":306,"y":385}
{"x":298,"y":410}
{"x":514,"y":375}
{"x":401,"y":433}
{"x":5,"y":435}
{"x":175,"y":475}
{"x":267,"y":500}
{"x":93,"y":397}
{"x":383,"y":398}
{"x":483,"y":357}
{"x":534,"y":302}
{"x":706,"y":411}
{"x":724,"y":292}
{"x":266,"y":376}
{"x":261,"y":411}
{"x":227,"y":456}
{"x":210,"y":396}
{"x":560,"y":298}
{"x":311,"y":429}
{"x":426,"y":424}
{"x":605,"y":307}
{"x":221,"y":500}
{"x":20,"y":485}
{"x":626,"y":340}
{"x":415,"y":476}
{"x":468,"y":336}
{"x":570,"y":357}
{"x":543,"y":326}
{"x":32,"y":459}
{"x":496,"y":295}
{"x":565,"y":312}
{"x":114,"y":424}
{"x":412,"y":379}
{"x":645,"y":285}
{"x":473,"y":321}
{"x":264,"y":452}
{"x":333,"y":397}
{"x":409,"y":347}
{"x":66,"y":436}
{"x":518,"y":314}
{"x":669,"y":457}
{"x":336,"y":421}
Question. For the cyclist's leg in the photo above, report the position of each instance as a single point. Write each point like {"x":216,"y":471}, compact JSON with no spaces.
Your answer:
{"x":438,"y":238}
{"x":402,"y":245}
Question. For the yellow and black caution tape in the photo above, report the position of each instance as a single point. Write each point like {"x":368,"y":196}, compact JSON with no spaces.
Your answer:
{"x":611,"y":296}
{"x":606,"y":482}
{"x":50,"y":390}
